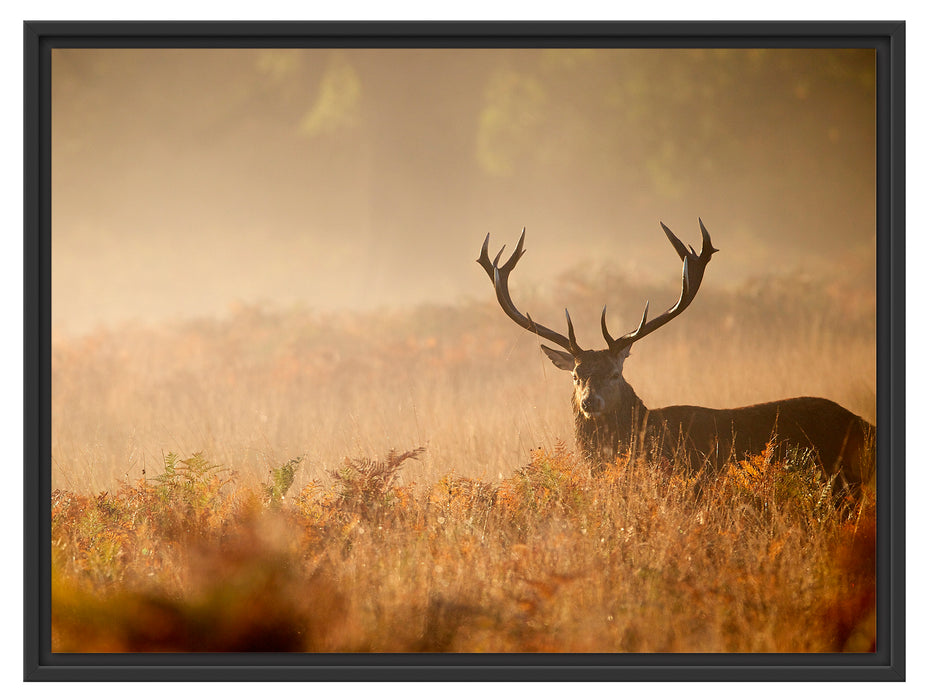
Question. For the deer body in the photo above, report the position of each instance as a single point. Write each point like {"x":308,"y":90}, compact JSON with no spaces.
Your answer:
{"x":611,"y":418}
{"x":706,"y":437}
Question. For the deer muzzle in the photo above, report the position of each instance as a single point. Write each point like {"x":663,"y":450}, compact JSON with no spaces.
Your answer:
{"x":591,"y":403}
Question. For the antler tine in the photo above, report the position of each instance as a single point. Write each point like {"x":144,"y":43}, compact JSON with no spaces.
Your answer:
{"x":516,"y":255}
{"x":499,"y":277}
{"x":485,"y":261}
{"x":643,"y":319}
{"x":676,"y":243}
{"x":706,"y":240}
{"x":693,"y":269}
{"x":604,"y":324}
{"x":686,"y":285}
{"x":484,"y":253}
{"x":511,"y":263}
{"x":575,"y":349}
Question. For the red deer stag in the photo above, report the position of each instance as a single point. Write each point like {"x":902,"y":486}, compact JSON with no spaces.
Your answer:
{"x":609,"y":416}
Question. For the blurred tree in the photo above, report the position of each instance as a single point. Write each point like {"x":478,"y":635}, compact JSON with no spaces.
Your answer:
{"x":675,"y":116}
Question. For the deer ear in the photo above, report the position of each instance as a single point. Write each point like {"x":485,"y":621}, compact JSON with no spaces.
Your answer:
{"x":563,"y":360}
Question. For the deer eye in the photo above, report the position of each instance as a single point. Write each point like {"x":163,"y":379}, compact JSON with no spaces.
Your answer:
{"x":575,"y":379}
{"x":616,"y":375}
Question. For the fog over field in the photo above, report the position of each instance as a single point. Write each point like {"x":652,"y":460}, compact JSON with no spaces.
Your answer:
{"x":266,"y":254}
{"x":186,"y":182}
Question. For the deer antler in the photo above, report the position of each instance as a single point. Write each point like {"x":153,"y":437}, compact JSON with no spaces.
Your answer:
{"x":693,"y":269}
{"x":499,"y":277}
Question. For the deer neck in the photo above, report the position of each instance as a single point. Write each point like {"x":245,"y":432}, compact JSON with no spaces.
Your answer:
{"x":600,"y":437}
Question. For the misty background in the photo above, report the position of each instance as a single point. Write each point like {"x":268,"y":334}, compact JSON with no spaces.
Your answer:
{"x":187,"y":183}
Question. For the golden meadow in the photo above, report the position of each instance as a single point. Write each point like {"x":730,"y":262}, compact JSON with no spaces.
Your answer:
{"x":405,"y":481}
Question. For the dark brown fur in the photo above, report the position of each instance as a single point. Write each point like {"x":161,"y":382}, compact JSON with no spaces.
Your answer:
{"x":708,"y":437}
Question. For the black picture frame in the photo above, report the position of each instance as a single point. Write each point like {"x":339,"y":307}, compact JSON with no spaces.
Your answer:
{"x":887,"y":663}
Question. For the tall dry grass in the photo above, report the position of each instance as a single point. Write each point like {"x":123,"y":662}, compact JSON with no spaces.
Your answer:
{"x":261,"y":387}
{"x":283,"y":527}
{"x":638,"y":559}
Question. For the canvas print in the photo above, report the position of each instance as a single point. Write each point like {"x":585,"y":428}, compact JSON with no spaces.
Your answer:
{"x":463,"y":350}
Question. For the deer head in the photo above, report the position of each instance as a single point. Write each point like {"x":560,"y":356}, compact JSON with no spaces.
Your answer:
{"x":597,"y":374}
